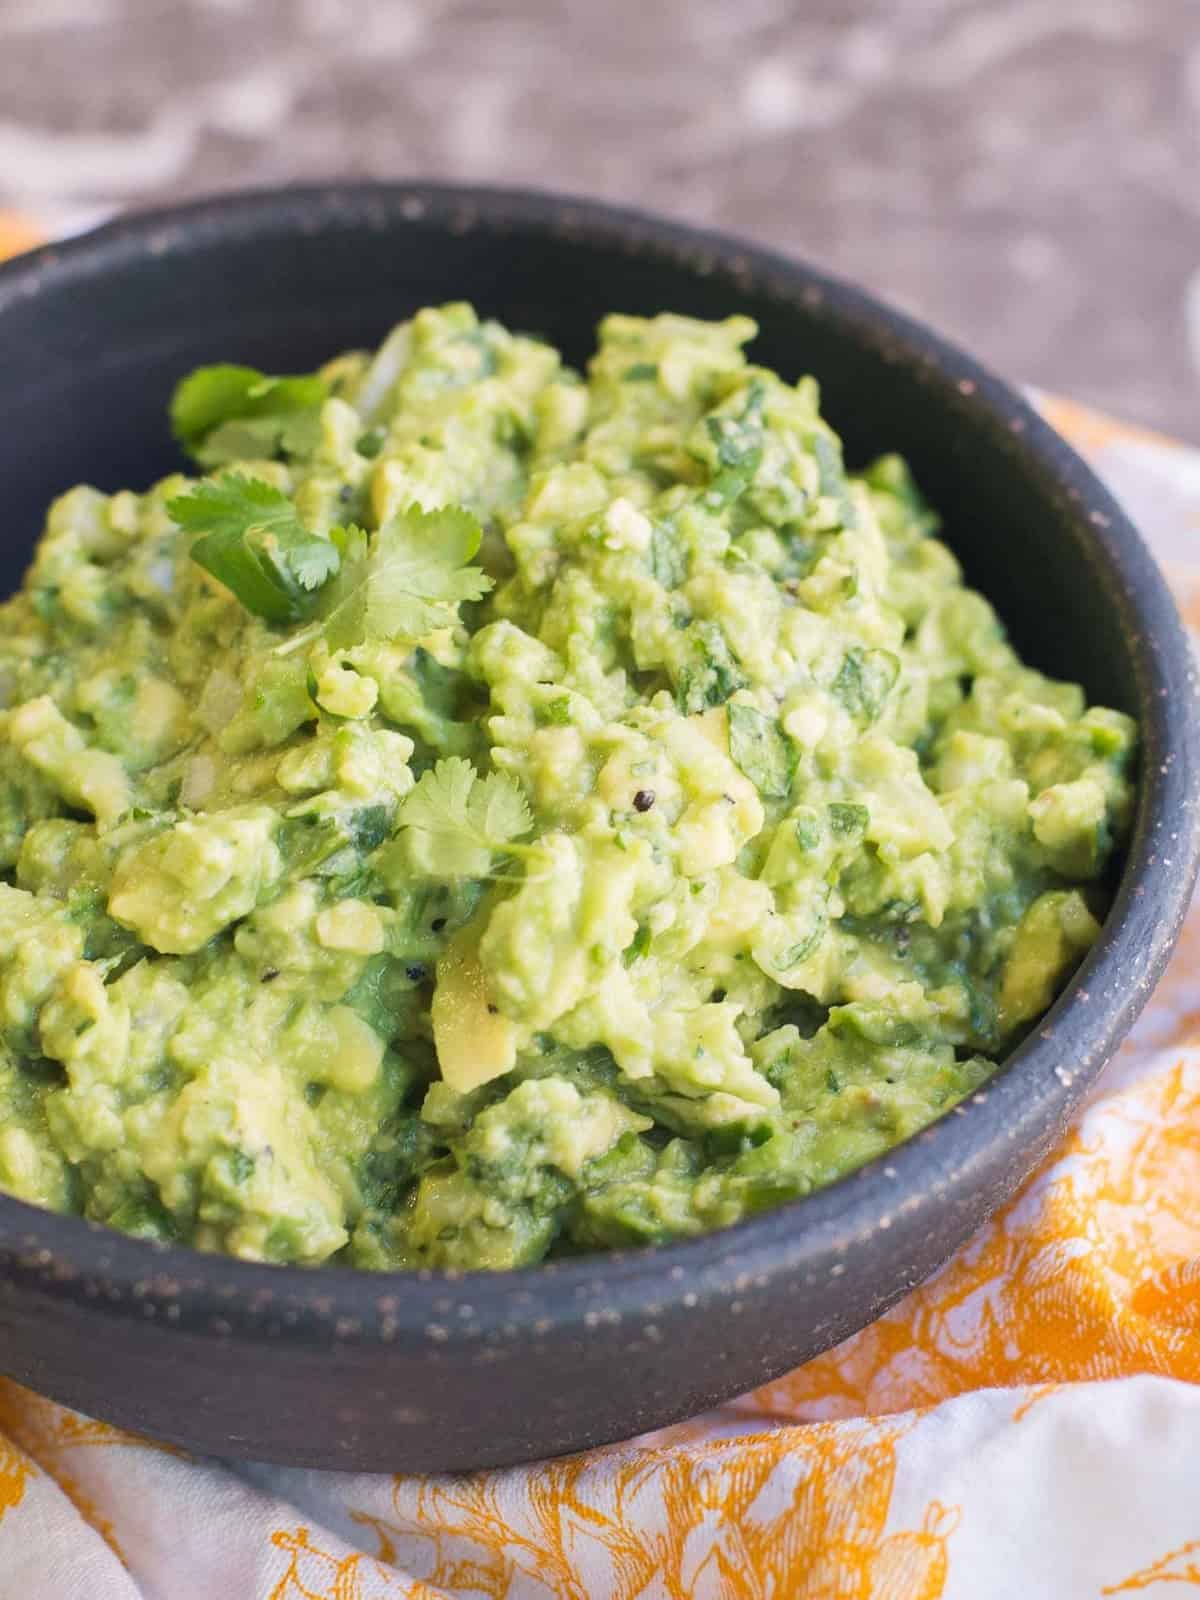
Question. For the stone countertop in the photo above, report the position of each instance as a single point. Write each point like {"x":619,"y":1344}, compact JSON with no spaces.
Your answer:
{"x":1022,"y":173}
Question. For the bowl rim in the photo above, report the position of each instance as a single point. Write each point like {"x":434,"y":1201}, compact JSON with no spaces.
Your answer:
{"x":212,"y":1294}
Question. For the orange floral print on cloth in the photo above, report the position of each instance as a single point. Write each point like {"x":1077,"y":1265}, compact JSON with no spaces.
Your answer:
{"x":17,"y":233}
{"x":1026,"y":1424}
{"x":14,"y":1471}
{"x":747,"y":1516}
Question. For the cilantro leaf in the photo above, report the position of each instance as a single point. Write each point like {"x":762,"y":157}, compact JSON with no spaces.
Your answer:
{"x":668,"y":559}
{"x":227,"y":413}
{"x":261,"y":439}
{"x":420,"y":570}
{"x":412,"y":578}
{"x":831,"y":476}
{"x":313,"y":561}
{"x":709,"y":674}
{"x":640,"y":944}
{"x":864,"y":680}
{"x":808,"y":828}
{"x":760,"y":749}
{"x":252,"y":541}
{"x":737,"y":443}
{"x":465,"y":819}
{"x":848,"y":819}
{"x":810,"y":937}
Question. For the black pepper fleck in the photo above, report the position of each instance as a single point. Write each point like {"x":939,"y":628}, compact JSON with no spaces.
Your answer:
{"x":416,"y":973}
{"x":438,"y":924}
{"x":643,"y":800}
{"x":270,"y":975}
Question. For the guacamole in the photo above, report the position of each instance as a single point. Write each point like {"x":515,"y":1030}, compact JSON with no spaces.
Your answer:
{"x":489,"y":813}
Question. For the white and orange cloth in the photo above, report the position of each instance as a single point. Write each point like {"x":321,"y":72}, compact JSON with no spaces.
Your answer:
{"x":1026,"y":1425}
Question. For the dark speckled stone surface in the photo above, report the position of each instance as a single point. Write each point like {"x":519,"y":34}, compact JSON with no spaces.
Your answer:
{"x":1022,"y":173}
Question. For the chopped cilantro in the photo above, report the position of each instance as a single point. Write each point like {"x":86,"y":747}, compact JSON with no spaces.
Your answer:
{"x":831,"y":476}
{"x":831,"y":480}
{"x":864,"y":681}
{"x":739,"y":447}
{"x":711,"y":675}
{"x":804,"y":947}
{"x":369,"y":826}
{"x":557,"y":711}
{"x":760,"y":749}
{"x":808,"y":828}
{"x":848,"y":820}
{"x":668,"y":560}
{"x":801,"y":951}
{"x":334,"y":844}
{"x":241,"y":1166}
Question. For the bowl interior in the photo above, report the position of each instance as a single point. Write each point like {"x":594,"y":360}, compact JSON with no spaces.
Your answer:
{"x":90,"y":360}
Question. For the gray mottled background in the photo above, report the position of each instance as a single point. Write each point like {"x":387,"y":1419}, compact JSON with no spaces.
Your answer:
{"x":1023,"y":173}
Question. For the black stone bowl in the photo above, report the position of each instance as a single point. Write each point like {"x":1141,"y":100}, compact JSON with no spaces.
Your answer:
{"x":336,"y":1368}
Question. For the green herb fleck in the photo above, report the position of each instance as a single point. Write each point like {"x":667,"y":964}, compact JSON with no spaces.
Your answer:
{"x":638,"y":946}
{"x":668,"y":560}
{"x":369,"y":826}
{"x":739,"y":447}
{"x":759,"y":748}
{"x":864,"y":681}
{"x":808,"y":829}
{"x":711,"y":675}
{"x":801,"y":951}
{"x":241,"y":1166}
{"x":831,"y":476}
{"x":846,"y":819}
{"x":805,"y":946}
{"x":557,"y":712}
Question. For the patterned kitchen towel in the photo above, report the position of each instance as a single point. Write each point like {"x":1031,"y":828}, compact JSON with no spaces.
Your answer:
{"x":1026,"y":1424}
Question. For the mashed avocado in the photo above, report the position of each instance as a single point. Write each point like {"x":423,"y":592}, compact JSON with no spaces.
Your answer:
{"x":492,"y":814}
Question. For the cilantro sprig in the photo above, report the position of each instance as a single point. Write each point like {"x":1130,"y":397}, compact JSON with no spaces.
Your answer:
{"x":407,"y":580}
{"x":253,"y":541}
{"x":465,"y":820}
{"x":404,"y":581}
{"x":227,"y":413}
